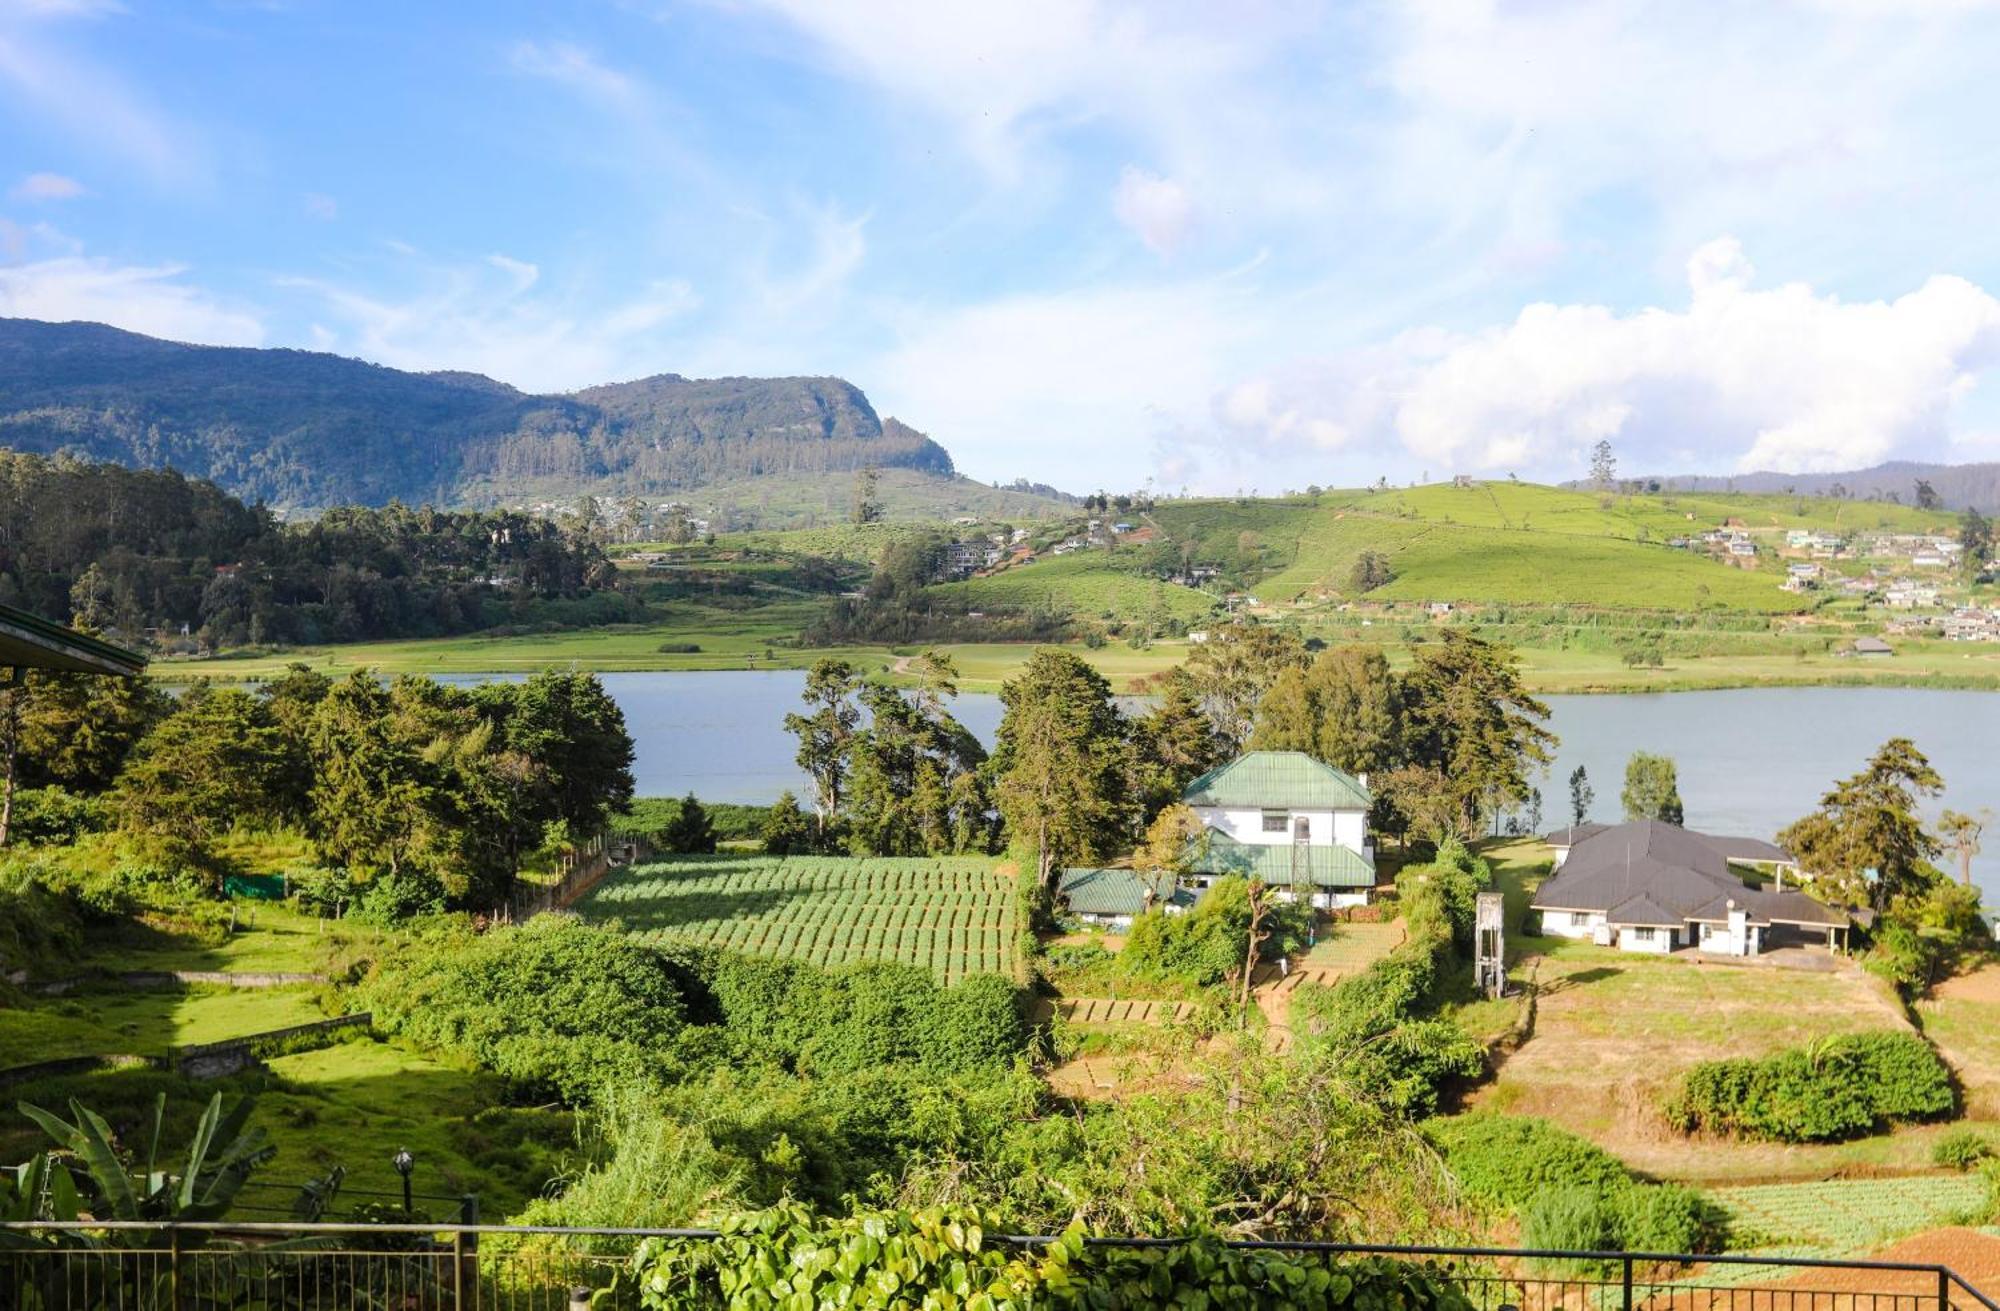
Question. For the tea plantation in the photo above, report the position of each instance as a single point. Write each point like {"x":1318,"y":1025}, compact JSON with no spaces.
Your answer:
{"x":953,"y":915}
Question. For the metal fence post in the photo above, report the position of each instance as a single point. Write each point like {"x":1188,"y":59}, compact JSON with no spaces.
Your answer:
{"x":1628,"y":1282}
{"x":174,"y":1267}
{"x":1944,"y":1289}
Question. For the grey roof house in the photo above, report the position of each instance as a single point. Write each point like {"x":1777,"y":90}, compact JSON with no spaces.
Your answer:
{"x":1651,"y":886}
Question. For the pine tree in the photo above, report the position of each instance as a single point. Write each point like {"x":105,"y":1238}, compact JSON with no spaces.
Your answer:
{"x":1581,"y":794}
{"x":1061,"y":763}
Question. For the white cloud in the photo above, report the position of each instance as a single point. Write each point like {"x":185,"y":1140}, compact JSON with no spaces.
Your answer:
{"x":1784,"y":378}
{"x":47,"y":186}
{"x":1065,"y":387}
{"x":574,"y":67}
{"x":92,"y":103}
{"x":487,"y":317}
{"x":1158,"y":210}
{"x":153,"y":300}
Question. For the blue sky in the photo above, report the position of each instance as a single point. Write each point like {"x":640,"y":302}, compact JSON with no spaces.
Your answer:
{"x":1216,"y":246}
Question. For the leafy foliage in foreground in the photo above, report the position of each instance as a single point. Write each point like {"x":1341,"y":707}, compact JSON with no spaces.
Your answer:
{"x":1843,"y":1087}
{"x":947,"y":1257}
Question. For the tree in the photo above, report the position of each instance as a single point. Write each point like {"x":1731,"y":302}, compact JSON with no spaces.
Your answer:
{"x":1927,"y":497}
{"x":689,"y":832}
{"x":867,"y":495}
{"x":1371,"y":570}
{"x":571,"y":728}
{"x":786,"y":831}
{"x":1470,"y":718}
{"x":1344,"y":709}
{"x":1869,"y":823}
{"x":1603,"y":466}
{"x":824,"y":736}
{"x":70,"y":729}
{"x":1173,"y":840}
{"x":1961,"y":833}
{"x":1173,"y":743}
{"x":1652,"y":788}
{"x":937,"y":681}
{"x":1581,"y":794}
{"x":216,"y":760}
{"x":1975,"y":534}
{"x":1061,"y":762}
{"x":1233,"y":669}
{"x":371,"y":784}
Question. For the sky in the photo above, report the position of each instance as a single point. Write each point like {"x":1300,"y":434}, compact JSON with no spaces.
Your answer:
{"x":1210,"y":246}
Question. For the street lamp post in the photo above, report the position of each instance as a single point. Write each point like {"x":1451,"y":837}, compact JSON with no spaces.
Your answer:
{"x":404,"y":1163}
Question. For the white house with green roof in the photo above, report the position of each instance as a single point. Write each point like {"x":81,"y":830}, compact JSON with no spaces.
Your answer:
{"x":1289,"y":820}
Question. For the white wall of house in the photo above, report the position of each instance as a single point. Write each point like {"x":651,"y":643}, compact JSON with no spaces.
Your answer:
{"x":1324,"y":828}
{"x":1572,"y":923}
{"x":1330,"y":899}
{"x":1736,"y":938}
{"x":1656,"y":939}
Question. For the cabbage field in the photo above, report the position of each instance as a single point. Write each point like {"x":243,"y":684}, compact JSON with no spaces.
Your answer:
{"x":953,"y":915}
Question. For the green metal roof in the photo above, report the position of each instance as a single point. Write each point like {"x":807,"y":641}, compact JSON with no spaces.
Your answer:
{"x":1113,"y":891}
{"x":1277,"y":780}
{"x":31,"y":642}
{"x":1287,"y":864}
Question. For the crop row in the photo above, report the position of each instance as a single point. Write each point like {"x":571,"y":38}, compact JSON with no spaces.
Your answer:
{"x":953,"y":916}
{"x":1850,"y":1215}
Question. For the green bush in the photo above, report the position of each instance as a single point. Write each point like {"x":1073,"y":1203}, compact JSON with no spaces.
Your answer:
{"x":947,"y":1257}
{"x":1506,"y":1160}
{"x":1627,"y":1216}
{"x":1840,"y":1088}
{"x":1961,"y":1150}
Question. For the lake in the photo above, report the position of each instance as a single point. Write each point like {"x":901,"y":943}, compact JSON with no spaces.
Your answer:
{"x":1750,"y":761}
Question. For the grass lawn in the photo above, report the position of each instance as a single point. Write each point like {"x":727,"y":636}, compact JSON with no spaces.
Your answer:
{"x":148,"y":1022}
{"x":270,"y":937}
{"x":1962,"y":1016}
{"x":1095,"y":584}
{"x":1612,"y":1031}
{"x":1351,"y":948}
{"x":353,"y":1104}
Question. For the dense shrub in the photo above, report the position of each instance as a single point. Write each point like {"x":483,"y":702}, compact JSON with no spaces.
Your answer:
{"x":1207,"y":944}
{"x":554,"y":1005}
{"x":1840,"y":1088}
{"x":946,"y":1257}
{"x":856,"y":1017}
{"x":54,"y":816}
{"x":1379,"y":1021}
{"x":1629,"y":1217}
{"x":1961,"y":1150}
{"x":1506,"y":1161}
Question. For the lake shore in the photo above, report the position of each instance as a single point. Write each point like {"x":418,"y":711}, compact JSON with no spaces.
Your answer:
{"x":983,"y":667}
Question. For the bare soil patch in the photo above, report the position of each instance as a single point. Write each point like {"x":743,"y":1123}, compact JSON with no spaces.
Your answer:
{"x":1972,"y":1254}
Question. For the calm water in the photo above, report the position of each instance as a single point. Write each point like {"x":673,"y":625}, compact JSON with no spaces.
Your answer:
{"x":1750,"y":761}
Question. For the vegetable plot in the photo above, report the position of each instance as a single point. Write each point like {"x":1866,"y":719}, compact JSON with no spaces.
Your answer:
{"x":953,"y":915}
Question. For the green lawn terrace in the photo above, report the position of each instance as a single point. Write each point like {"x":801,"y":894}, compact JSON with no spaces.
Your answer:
{"x":952,"y":915}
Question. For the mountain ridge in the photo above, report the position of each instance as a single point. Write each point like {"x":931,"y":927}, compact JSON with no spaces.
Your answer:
{"x":1958,"y":486}
{"x":302,"y":430}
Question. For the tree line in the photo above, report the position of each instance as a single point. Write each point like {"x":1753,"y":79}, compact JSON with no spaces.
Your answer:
{"x":148,"y":554}
{"x":415,"y":796}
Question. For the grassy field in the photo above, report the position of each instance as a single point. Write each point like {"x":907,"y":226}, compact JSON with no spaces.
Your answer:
{"x":147,"y":1022}
{"x":1612,"y":1031}
{"x":952,"y":915}
{"x":1096,"y":584}
{"x":1962,"y":1016}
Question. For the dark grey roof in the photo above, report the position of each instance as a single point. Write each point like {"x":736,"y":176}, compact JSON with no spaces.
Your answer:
{"x":1753,"y":850}
{"x":1648,"y":872}
{"x":1571,"y":834}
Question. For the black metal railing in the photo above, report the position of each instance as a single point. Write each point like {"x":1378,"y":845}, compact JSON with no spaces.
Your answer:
{"x":226,"y":1266}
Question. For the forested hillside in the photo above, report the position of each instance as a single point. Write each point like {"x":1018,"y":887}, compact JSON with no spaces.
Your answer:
{"x":137,"y":550}
{"x":300,"y":429}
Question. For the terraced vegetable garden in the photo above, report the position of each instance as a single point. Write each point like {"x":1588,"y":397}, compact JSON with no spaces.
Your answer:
{"x":953,"y":915}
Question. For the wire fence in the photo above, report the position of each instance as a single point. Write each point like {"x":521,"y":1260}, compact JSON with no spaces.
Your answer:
{"x":256,"y":1266}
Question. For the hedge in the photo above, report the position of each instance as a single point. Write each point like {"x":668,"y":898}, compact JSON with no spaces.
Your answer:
{"x":1842,"y":1087}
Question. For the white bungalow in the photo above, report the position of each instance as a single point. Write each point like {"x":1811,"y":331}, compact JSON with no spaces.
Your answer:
{"x":1289,"y":820}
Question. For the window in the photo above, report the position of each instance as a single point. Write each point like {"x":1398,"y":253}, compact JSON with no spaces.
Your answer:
{"x":1277,"y":821}
{"x":1579,"y":919}
{"x":1642,"y":935}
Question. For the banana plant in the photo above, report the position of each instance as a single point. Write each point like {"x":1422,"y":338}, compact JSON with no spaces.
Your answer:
{"x":220,"y":1159}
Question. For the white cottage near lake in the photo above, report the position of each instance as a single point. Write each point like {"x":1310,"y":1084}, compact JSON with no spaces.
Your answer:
{"x":1289,"y":820}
